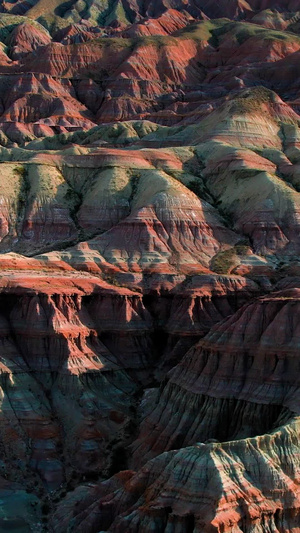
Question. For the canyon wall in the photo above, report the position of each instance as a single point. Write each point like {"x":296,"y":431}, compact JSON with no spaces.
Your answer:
{"x":149,"y":266}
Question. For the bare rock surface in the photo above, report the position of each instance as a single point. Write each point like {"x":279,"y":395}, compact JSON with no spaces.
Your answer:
{"x":149,"y":266}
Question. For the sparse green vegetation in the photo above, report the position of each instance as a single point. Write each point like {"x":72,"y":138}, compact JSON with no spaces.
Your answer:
{"x":245,"y":31}
{"x":20,"y":170}
{"x":23,"y":191}
{"x":223,"y":261}
{"x":110,"y":42}
{"x":203,"y":30}
{"x":134,"y":182}
{"x":213,"y":31}
{"x":110,"y":279}
{"x":9,"y":22}
{"x":252,"y":100}
{"x":242,"y":249}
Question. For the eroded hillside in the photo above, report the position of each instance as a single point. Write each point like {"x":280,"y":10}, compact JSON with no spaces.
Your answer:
{"x":149,"y":258}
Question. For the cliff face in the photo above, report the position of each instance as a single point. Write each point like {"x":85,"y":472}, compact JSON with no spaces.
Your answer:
{"x":231,"y":487}
{"x":149,"y":266}
{"x":76,"y":355}
{"x":55,"y":365}
{"x":239,"y":381}
{"x":229,"y":410}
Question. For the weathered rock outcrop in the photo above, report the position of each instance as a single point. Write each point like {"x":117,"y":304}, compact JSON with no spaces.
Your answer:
{"x":229,"y":410}
{"x":149,"y":266}
{"x":192,"y":67}
{"x":54,"y":364}
{"x":239,"y":486}
{"x":76,"y":356}
{"x":235,"y":383}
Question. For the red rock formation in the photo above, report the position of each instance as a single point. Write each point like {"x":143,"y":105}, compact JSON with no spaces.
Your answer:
{"x":200,"y":53}
{"x":135,"y":9}
{"x":169,"y":22}
{"x":238,"y":382}
{"x":149,"y":159}
{"x":52,"y":348}
{"x":74,"y":344}
{"x":26,"y":38}
{"x":234,"y":486}
{"x":229,"y":377}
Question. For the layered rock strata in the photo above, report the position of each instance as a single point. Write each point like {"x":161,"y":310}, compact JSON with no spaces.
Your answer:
{"x":149,"y":270}
{"x":229,"y":410}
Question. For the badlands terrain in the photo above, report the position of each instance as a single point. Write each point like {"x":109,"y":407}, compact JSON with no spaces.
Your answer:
{"x":149,"y":266}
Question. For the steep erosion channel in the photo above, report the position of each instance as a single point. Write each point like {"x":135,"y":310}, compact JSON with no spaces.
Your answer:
{"x":79,"y":355}
{"x":219,"y":450}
